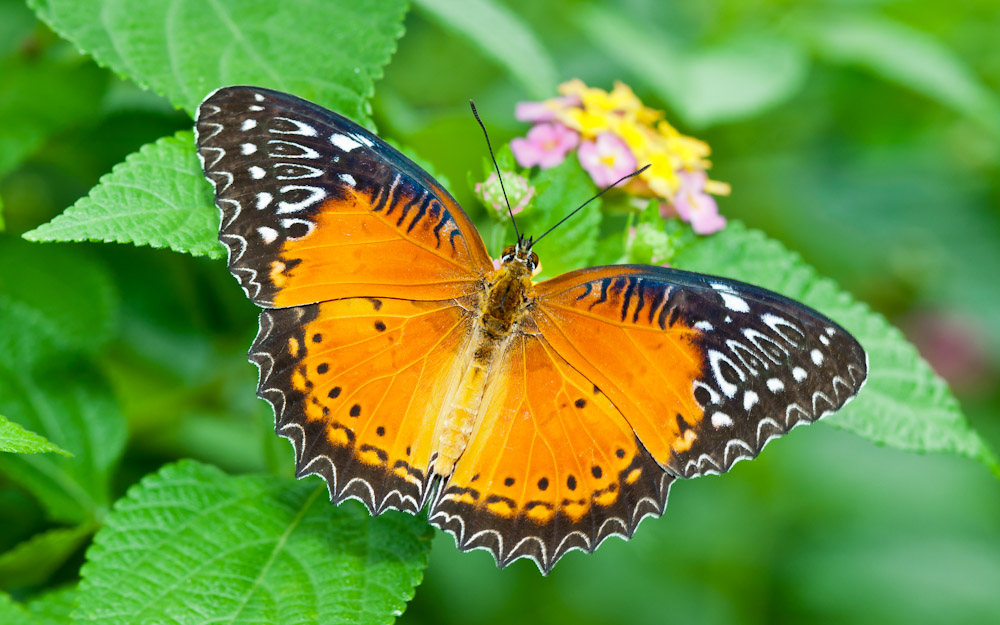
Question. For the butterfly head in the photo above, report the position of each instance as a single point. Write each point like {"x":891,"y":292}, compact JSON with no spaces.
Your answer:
{"x":520,"y":254}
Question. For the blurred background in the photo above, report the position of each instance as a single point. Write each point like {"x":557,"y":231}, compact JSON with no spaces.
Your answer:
{"x":865,"y":135}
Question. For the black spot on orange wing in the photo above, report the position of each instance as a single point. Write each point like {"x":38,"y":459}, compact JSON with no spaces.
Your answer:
{"x":375,"y":485}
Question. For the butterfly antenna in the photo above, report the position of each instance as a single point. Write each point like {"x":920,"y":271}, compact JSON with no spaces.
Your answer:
{"x":497,"y":167}
{"x":599,"y":194}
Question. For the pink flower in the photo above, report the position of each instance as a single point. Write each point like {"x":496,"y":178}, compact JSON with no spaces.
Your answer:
{"x":606,"y":159}
{"x":545,"y":111}
{"x":695,"y":206}
{"x":546,"y":145}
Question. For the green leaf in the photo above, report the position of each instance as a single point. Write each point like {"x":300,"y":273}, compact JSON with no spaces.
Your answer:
{"x":53,"y":608}
{"x":16,"y":439}
{"x":157,"y":197}
{"x":193,"y":544}
{"x":55,"y":302}
{"x":42,"y":96}
{"x":13,"y":613}
{"x":560,"y":190}
{"x":33,"y":561}
{"x":61,"y":292}
{"x":65,"y":400}
{"x":904,"y":404}
{"x":327,"y":52}
{"x":502,"y":36}
{"x":906,"y":56}
{"x":733,"y":80}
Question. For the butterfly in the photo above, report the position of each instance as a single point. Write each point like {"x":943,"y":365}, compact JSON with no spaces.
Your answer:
{"x":529,"y":419}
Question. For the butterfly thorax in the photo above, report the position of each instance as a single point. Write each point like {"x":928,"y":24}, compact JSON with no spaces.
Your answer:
{"x":508,"y":296}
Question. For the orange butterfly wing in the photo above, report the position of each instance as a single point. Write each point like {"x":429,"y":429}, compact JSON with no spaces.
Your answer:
{"x":367,"y":263}
{"x":705,"y":370}
{"x":316,"y":208}
{"x":553,"y":465}
{"x":356,"y":385}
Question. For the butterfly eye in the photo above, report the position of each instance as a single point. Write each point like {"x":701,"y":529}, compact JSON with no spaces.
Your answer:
{"x":533,"y":261}
{"x":508,"y":253}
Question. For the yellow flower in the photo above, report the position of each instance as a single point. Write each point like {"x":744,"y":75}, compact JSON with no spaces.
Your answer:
{"x":583,"y":121}
{"x":661,"y":175}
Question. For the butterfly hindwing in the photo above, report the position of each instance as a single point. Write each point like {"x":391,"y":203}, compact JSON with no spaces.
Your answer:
{"x":706,"y":370}
{"x":356,"y":385}
{"x":315,"y":207}
{"x":553,"y":466}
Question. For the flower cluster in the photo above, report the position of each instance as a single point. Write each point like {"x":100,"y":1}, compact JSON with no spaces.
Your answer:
{"x":613,"y":135}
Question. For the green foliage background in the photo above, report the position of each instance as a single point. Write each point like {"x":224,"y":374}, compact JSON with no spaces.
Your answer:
{"x":140,"y":479}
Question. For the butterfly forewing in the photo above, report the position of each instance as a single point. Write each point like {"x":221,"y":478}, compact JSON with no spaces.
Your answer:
{"x":314,"y":207}
{"x":706,"y":370}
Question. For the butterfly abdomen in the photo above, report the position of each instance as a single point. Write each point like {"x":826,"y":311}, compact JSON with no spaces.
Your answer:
{"x":501,"y":312}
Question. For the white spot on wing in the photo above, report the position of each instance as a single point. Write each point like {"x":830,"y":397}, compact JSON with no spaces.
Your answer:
{"x":704,"y":326}
{"x":264,"y":200}
{"x":749,"y":400}
{"x":817,"y":357}
{"x":733,"y":303}
{"x":799,"y":374}
{"x":344,"y":142}
{"x":301,"y":128}
{"x":349,"y":179}
{"x":248,"y":124}
{"x":824,"y":340}
{"x":258,"y":97}
{"x":774,"y":385}
{"x":721,"y":420}
{"x":730,"y":299}
{"x":267,"y":234}
{"x":248,"y":148}
{"x":255,"y":107}
{"x":256,"y":172}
